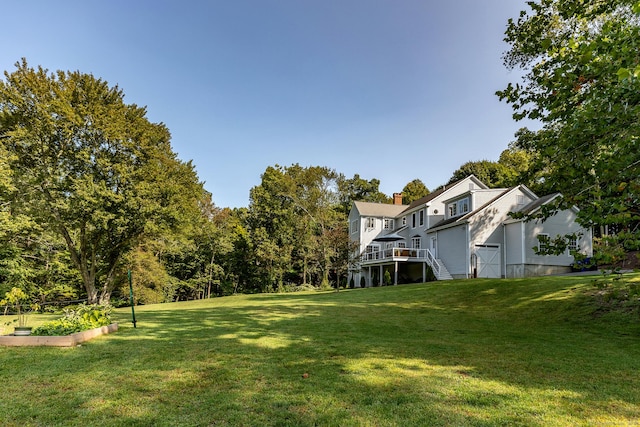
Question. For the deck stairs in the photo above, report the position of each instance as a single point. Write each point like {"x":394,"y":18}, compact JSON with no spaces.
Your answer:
{"x":438,"y":267}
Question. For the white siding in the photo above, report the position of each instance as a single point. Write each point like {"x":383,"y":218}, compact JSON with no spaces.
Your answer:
{"x":354,"y":216}
{"x":438,"y":204}
{"x":514,"y":243}
{"x":486,"y":226}
{"x":453,"y":250}
{"x":482,"y":197}
{"x":560,"y":224}
{"x":522,"y":239}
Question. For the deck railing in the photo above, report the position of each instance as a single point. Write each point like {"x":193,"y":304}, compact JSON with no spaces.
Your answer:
{"x":403,"y":254}
{"x":396,"y":254}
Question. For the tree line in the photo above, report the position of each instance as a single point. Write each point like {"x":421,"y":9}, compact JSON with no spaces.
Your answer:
{"x":89,"y":188}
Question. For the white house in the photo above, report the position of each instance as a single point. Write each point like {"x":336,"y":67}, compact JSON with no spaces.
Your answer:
{"x":461,"y":230}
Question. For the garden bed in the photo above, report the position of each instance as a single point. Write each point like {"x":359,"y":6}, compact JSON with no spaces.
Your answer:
{"x":57,"y":341}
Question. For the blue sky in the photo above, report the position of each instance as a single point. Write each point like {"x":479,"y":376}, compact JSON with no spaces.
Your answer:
{"x":393,"y":90}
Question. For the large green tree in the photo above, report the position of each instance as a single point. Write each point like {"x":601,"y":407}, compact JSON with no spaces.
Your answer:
{"x":86,"y":167}
{"x":293,"y":221}
{"x":492,"y":173}
{"x":582,"y":83}
{"x":271,"y":224}
{"x":514,"y":166}
{"x":179,"y":238}
{"x":413,"y":191}
{"x":14,"y":270}
{"x":359,"y":189}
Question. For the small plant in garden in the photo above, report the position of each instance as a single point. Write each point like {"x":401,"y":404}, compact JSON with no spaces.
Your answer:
{"x":18,"y":300}
{"x":387,"y":278}
{"x":82,"y":318}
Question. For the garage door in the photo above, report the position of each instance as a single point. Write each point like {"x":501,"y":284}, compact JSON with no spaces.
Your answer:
{"x":489,"y":264}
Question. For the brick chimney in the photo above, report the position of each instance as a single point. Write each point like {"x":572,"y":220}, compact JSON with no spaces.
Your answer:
{"x":397,"y":198}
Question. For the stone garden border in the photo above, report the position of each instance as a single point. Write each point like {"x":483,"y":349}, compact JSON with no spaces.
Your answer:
{"x":57,"y":341}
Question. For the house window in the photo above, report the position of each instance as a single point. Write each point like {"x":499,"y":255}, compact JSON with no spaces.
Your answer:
{"x":421,"y":217}
{"x":370,"y":223}
{"x":388,"y":224}
{"x":453,"y":210}
{"x":354,"y":226}
{"x":520,"y":199}
{"x":543,"y":242}
{"x":415,"y":242}
{"x":458,"y":208}
{"x":401,"y":245}
{"x":413,"y":220}
{"x":463,"y":206}
{"x":572,"y":244}
{"x":404,"y":221}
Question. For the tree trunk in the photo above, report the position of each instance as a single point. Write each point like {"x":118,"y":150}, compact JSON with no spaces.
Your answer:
{"x":79,"y":260}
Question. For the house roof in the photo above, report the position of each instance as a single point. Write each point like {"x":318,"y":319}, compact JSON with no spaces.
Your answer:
{"x":439,"y":191}
{"x":379,"y":209}
{"x":391,"y":237}
{"x":536,"y":204}
{"x":528,"y":209}
{"x":393,"y":211}
{"x":465,"y":217}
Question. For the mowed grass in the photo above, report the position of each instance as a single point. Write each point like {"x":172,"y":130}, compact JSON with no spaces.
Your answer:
{"x":531,"y":352}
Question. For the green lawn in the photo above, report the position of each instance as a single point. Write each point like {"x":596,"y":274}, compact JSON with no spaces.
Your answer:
{"x":472,"y":352}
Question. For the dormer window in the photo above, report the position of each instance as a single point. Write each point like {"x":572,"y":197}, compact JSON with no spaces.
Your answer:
{"x":370,"y":223}
{"x":463,"y":206}
{"x":453,"y":209}
{"x":459,"y":207}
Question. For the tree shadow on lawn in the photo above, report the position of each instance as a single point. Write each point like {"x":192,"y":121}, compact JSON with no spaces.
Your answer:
{"x":377,"y":353}
{"x":407,"y":358}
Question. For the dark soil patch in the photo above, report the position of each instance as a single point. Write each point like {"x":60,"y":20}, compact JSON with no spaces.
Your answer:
{"x":631,"y":261}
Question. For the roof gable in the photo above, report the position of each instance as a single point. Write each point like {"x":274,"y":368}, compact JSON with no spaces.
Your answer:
{"x":465,"y":217}
{"x":444,"y":189}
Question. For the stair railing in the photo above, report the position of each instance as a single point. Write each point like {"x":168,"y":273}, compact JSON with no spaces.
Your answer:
{"x":433,"y":263}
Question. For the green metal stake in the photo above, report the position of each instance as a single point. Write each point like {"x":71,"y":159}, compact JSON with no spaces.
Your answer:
{"x":133,"y":312}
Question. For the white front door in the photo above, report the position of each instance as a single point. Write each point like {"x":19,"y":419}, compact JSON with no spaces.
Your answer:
{"x":434,"y":247}
{"x":489,"y":261}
